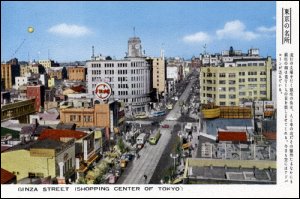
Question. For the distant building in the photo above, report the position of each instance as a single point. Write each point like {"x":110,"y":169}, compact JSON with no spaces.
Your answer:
{"x":196,"y":62}
{"x":47,"y":63}
{"x":51,"y":82}
{"x":9,"y":71}
{"x":5,"y":98}
{"x":159,"y":75}
{"x":76,"y":73}
{"x":20,"y":110}
{"x":38,"y":93}
{"x":32,"y":68}
{"x":175,"y":68}
{"x":55,"y":72}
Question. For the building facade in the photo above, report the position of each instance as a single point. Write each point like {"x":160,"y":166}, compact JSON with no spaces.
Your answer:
{"x":38,"y":93}
{"x":19,"y":110}
{"x":55,"y":72}
{"x":129,"y":79}
{"x":47,"y":63}
{"x":9,"y":71}
{"x":159,"y":74}
{"x":236,"y":82}
{"x":99,"y":115}
{"x":76,"y":73}
{"x":40,"y":159}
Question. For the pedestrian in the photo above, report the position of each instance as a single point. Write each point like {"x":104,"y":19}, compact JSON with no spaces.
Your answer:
{"x":145,"y":177}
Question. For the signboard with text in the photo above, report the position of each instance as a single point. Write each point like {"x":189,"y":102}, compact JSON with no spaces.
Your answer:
{"x":103,"y":91}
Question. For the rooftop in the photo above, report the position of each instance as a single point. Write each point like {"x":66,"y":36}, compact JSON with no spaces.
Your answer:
{"x":57,"y":134}
{"x":69,"y":126}
{"x":40,"y":144}
{"x":232,"y":136}
{"x":6,"y":176}
{"x":212,"y":126}
{"x":234,"y":174}
{"x":5,"y":131}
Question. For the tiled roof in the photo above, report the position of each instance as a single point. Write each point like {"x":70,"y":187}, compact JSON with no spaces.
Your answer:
{"x":38,"y":144}
{"x":232,"y":136}
{"x":6,"y":176}
{"x":56,"y":134}
{"x":69,"y":126}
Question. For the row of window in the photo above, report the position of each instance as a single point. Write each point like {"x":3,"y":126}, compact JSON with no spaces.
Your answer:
{"x":232,"y":89}
{"x":233,"y":96}
{"x":252,"y":64}
{"x":138,"y":64}
{"x":232,"y":75}
{"x":77,"y":118}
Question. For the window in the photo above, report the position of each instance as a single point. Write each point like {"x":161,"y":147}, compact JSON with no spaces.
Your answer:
{"x":252,"y":73}
{"x":232,"y":89}
{"x":222,"y":96}
{"x":242,"y":93}
{"x":263,"y":79}
{"x":261,"y":64}
{"x":72,"y":118}
{"x":241,"y":73}
{"x":222,"y":103}
{"x":263,"y":92}
{"x":222,"y":75}
{"x":252,"y":79}
{"x":263,"y":86}
{"x":232,"y":96}
{"x":231,"y":74}
{"x":263,"y":73}
{"x":252,"y":86}
{"x":231,"y":82}
{"x":222,"y":81}
{"x":222,"y":89}
{"x":241,"y":87}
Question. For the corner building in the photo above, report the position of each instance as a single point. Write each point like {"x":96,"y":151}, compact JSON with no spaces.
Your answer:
{"x":129,"y":78}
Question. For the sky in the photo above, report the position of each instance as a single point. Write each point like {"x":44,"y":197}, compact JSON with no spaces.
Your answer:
{"x":66,"y":31}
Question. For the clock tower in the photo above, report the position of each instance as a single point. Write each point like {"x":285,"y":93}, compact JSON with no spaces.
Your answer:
{"x":134,"y":47}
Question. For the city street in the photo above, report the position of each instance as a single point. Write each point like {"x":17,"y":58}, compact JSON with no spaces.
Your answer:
{"x":151,"y":154}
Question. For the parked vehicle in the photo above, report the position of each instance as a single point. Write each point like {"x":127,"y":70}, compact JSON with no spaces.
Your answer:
{"x":123,"y":163}
{"x":170,"y":106}
{"x":154,"y":138}
{"x":141,"y":116}
{"x":140,"y":140}
{"x":165,"y":126}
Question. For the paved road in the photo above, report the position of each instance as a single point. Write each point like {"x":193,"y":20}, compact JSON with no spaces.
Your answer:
{"x":151,"y":154}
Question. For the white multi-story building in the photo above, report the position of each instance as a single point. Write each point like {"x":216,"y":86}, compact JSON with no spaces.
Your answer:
{"x":129,"y":78}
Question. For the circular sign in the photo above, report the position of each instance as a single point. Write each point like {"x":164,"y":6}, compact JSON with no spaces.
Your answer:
{"x":103,"y":91}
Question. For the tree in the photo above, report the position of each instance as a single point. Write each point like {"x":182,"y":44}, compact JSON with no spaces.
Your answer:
{"x":108,"y":58}
{"x":121,"y":145}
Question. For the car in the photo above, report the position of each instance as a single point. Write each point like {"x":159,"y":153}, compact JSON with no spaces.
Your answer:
{"x":165,"y":126}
